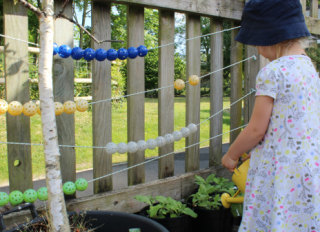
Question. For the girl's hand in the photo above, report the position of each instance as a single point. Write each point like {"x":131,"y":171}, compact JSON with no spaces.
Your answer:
{"x":229,"y":163}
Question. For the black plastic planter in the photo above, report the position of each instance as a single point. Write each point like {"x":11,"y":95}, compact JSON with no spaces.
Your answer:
{"x":108,"y":221}
{"x":213,"y":220}
{"x":178,"y":224}
{"x":120,"y":222}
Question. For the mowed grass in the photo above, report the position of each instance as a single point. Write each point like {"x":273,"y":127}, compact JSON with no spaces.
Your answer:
{"x":83,"y":127}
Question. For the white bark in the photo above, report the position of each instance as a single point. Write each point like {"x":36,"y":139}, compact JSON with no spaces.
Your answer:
{"x":57,"y":208}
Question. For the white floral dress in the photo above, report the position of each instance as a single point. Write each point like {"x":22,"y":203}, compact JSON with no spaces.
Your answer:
{"x":283,"y":183}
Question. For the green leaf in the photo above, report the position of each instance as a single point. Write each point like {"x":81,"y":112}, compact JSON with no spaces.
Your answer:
{"x":144,"y":199}
{"x":190,"y":212}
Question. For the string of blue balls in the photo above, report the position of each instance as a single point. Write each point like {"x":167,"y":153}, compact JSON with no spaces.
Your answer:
{"x":77,"y":53}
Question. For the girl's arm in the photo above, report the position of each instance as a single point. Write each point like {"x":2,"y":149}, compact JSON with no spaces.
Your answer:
{"x":252,"y":134}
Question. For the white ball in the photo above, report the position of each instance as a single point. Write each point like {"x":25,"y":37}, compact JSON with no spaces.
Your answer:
{"x":177,"y":135}
{"x":169,"y":138}
{"x":192,"y":127}
{"x":161,"y":141}
{"x":142,"y":145}
{"x":122,"y":148}
{"x":151,"y":144}
{"x":111,"y":148}
{"x":132,"y":147}
{"x":185,"y":131}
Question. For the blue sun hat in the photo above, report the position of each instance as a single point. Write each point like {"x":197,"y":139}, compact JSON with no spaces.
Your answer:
{"x":268,"y":22}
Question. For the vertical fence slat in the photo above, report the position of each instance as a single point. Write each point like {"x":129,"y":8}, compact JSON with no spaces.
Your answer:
{"x":101,"y":89}
{"x":135,"y":24}
{"x":304,"y":5}
{"x":251,"y":69}
{"x":166,"y":96}
{"x":216,"y":92}
{"x":314,"y":8}
{"x":63,"y":78}
{"x":193,"y":92}
{"x":236,"y":84}
{"x":17,"y":89}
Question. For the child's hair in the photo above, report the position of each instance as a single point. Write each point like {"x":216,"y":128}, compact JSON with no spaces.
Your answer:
{"x":284,"y":45}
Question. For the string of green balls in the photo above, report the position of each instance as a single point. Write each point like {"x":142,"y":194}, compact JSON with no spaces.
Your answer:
{"x":29,"y":196}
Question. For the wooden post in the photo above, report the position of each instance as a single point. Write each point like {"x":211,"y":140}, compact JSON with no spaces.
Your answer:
{"x":304,"y":5}
{"x":314,"y":8}
{"x":216,"y":93}
{"x":63,"y":78}
{"x":252,"y":68}
{"x":236,"y":84}
{"x":135,"y":19}
{"x":166,"y":96}
{"x":17,"y":89}
{"x":101,"y":86}
{"x":193,"y":92}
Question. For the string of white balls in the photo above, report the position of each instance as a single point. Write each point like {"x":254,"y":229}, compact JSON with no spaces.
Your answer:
{"x":165,"y":155}
{"x":176,"y":135}
{"x":169,"y":86}
{"x":161,"y":141}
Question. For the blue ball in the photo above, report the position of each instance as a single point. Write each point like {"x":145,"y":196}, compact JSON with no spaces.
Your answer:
{"x":89,"y":54}
{"x":55,"y":48}
{"x":112,"y":54}
{"x":101,"y":54}
{"x":64,"y":51}
{"x":77,"y":53}
{"x":132,"y":52}
{"x":122,"y":54}
{"x":142,"y":51}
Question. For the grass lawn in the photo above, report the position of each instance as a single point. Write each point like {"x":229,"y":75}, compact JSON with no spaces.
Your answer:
{"x":119,"y":134}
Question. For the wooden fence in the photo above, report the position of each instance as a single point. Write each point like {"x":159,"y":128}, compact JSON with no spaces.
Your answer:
{"x":17,"y":84}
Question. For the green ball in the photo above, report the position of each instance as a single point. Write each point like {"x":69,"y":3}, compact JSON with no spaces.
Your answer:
{"x":4,"y":199}
{"x":30,"y":196}
{"x":69,"y":188}
{"x":81,"y":184}
{"x":15,"y":197}
{"x":42,"y":194}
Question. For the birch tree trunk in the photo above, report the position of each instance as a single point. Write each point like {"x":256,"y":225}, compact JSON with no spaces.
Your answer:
{"x":57,"y":208}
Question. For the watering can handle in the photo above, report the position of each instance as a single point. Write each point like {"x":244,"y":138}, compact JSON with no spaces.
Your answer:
{"x":19,"y":208}
{"x":245,"y":156}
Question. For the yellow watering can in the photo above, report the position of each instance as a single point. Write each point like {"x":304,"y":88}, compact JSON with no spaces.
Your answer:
{"x":239,"y":177}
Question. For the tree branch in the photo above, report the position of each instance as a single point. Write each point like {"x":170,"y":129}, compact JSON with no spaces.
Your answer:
{"x":31,"y":7}
{"x":85,"y":30}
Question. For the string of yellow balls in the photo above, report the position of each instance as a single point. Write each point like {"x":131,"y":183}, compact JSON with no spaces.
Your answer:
{"x":30,"y":108}
{"x":179,"y":84}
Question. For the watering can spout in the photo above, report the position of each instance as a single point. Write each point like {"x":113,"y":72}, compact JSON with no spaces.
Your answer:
{"x":239,"y":177}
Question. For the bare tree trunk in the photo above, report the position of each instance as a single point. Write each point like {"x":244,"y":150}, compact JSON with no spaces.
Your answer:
{"x":57,"y":209}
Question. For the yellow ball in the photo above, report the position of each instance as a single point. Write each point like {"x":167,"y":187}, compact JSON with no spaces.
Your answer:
{"x":38,"y":107}
{"x":179,"y":84}
{"x":15,"y":108}
{"x":58,"y":108}
{"x":69,"y":107}
{"x":194,"y":80}
{"x":3,"y":106}
{"x":82,"y":105}
{"x":29,"y":109}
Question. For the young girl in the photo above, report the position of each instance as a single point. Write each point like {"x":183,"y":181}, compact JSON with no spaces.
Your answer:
{"x":283,"y":182}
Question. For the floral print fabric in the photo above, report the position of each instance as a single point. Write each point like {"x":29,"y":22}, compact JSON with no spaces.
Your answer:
{"x":283,"y":182}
